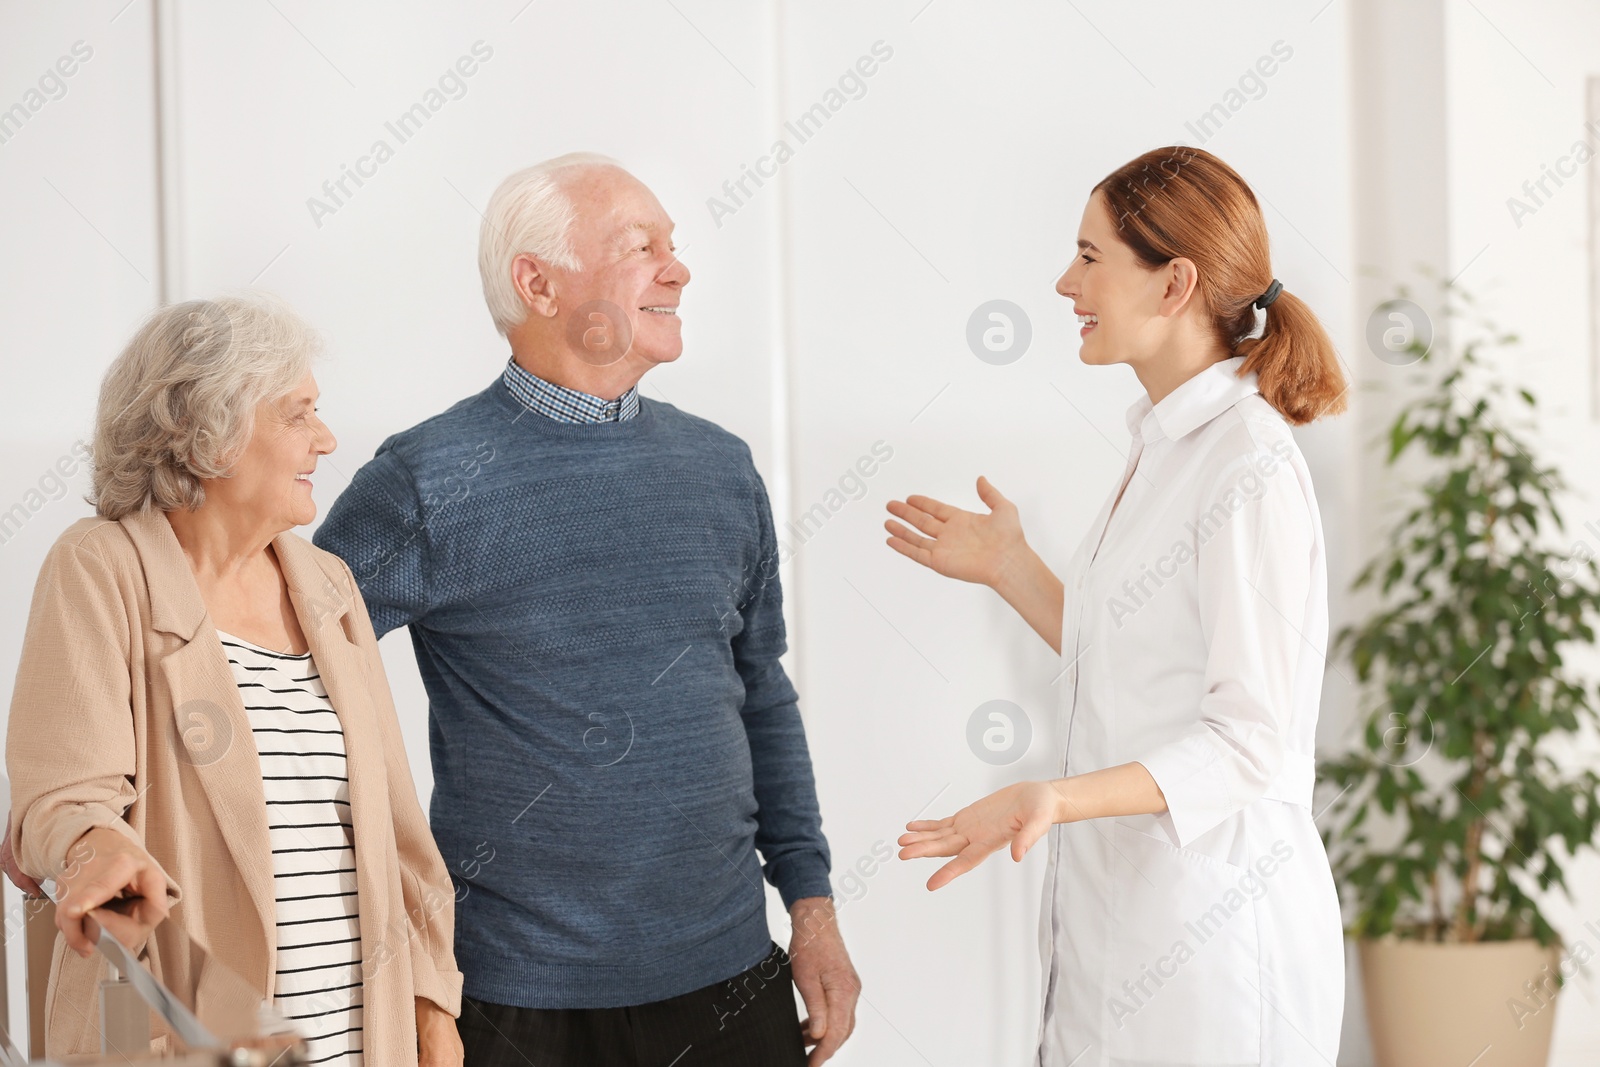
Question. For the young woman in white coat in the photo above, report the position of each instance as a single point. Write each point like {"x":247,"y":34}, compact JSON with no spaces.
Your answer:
{"x":1189,"y":914}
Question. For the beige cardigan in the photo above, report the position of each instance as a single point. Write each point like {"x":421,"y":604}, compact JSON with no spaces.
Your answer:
{"x":126,"y":715}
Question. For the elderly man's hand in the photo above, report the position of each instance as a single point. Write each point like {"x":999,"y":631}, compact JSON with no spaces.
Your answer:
{"x":823,"y":973}
{"x":8,"y":863}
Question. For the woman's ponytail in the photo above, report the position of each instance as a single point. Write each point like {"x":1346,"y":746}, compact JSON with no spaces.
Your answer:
{"x":1182,"y":201}
{"x":1295,"y":362}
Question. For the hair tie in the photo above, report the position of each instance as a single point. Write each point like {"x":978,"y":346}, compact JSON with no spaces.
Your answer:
{"x":1270,"y":295}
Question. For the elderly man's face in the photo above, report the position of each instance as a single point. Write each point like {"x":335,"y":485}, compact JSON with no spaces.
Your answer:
{"x":623,"y":238}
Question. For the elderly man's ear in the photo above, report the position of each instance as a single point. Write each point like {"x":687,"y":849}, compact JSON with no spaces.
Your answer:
{"x":534,"y":286}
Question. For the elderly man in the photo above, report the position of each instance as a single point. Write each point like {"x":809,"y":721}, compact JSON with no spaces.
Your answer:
{"x":590,"y":579}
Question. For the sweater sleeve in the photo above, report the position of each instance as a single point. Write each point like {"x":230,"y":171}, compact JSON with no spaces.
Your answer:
{"x":378,"y":528}
{"x":789,"y":821}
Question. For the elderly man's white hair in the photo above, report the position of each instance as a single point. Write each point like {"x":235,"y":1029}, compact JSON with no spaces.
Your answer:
{"x":529,"y":213}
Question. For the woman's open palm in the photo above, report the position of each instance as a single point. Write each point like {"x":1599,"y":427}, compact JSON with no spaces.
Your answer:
{"x":1018,"y":816}
{"x":967,"y":545}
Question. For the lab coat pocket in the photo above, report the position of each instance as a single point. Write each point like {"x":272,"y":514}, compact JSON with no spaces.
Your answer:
{"x":1184,"y":977}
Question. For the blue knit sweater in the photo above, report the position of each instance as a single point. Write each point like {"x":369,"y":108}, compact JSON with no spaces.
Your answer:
{"x":597,"y":617}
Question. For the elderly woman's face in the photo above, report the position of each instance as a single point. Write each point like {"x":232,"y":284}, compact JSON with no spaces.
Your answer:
{"x":272,"y":479}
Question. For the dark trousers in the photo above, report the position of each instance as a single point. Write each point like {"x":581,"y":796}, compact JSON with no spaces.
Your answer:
{"x":747,"y":1021}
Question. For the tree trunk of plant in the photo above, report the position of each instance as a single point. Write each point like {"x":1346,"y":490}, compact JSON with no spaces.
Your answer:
{"x":1466,"y":927}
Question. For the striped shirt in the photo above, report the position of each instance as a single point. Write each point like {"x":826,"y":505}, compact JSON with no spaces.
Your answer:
{"x":567,"y":405}
{"x":317,"y":985}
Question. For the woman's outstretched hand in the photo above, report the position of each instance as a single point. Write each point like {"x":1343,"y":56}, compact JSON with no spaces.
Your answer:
{"x":960,"y":544}
{"x":1017,"y":815}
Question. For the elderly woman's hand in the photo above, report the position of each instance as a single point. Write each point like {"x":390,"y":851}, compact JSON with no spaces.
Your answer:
{"x":438,"y":1040}
{"x":8,"y":863}
{"x":105,"y":867}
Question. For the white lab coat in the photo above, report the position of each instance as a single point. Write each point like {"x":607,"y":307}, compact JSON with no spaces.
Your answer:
{"x":1193,"y":640}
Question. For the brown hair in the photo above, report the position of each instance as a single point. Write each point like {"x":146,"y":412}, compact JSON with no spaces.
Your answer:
{"x":1183,"y":201}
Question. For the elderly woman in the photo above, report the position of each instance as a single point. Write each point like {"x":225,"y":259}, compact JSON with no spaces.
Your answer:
{"x":201,"y":724}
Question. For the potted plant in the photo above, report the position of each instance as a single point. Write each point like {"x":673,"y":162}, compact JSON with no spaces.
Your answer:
{"x":1454,"y":815}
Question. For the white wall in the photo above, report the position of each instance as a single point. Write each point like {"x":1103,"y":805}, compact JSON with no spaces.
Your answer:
{"x":1516,"y":79}
{"x":827,"y":313}
{"x":958,"y":178}
{"x":78,"y":270}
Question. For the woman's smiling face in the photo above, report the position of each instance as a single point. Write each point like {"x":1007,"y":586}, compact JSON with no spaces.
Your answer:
{"x":271,"y":480}
{"x":1117,"y":299}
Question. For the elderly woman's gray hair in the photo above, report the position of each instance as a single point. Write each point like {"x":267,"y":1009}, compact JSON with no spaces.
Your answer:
{"x":178,"y":405}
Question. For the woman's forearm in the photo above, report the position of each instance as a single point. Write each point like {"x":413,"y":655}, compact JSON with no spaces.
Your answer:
{"x":438,"y":1039}
{"x":1127,"y":789}
{"x":1032,"y":588}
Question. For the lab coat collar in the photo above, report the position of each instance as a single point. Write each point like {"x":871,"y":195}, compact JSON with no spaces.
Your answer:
{"x":1194,"y":403}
